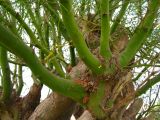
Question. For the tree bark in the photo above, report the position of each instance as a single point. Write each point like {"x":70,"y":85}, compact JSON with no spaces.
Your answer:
{"x":54,"y":107}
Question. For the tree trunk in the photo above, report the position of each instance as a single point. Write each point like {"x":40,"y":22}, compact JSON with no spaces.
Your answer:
{"x":54,"y":107}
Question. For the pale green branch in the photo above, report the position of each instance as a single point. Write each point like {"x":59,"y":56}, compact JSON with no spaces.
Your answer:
{"x":105,"y":30}
{"x":141,"y":34}
{"x":63,"y":86}
{"x":33,"y":38}
{"x":120,"y":15}
{"x":72,"y":28}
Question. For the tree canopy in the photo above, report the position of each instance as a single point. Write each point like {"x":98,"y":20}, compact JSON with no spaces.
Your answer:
{"x":100,"y":55}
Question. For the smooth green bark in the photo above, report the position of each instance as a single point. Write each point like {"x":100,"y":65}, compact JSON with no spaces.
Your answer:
{"x":63,"y":86}
{"x":105,"y":30}
{"x":6,"y":79}
{"x":141,"y":34}
{"x":95,"y":104}
{"x":89,"y":59}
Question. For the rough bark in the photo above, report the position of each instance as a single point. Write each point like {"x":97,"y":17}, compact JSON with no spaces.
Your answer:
{"x":54,"y":107}
{"x":30,"y":101}
{"x":78,"y":111}
{"x":86,"y":116}
{"x":21,"y":108}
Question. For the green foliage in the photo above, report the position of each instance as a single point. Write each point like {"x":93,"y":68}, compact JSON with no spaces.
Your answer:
{"x":48,"y":37}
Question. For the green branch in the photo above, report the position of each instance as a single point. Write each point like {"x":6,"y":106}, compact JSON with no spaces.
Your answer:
{"x":148,"y":85}
{"x":58,"y":67}
{"x":46,"y":32}
{"x":140,"y":35}
{"x":146,"y":66}
{"x":105,"y":30}
{"x":72,"y":55}
{"x":63,"y":86}
{"x":6,"y":80}
{"x":120,"y":15}
{"x":96,"y":100}
{"x":35,"y":20}
{"x":89,"y":59}
{"x":20,"y":80}
{"x":8,"y":8}
{"x":58,"y":21}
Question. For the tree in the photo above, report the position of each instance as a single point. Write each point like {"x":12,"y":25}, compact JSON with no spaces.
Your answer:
{"x":107,"y":40}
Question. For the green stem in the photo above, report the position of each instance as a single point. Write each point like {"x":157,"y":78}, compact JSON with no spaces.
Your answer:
{"x":58,"y":67}
{"x":82,"y":8}
{"x":72,"y":28}
{"x":58,"y":21}
{"x":46,"y":29}
{"x":20,"y":80}
{"x":155,"y":58}
{"x":6,"y":80}
{"x":148,"y":85}
{"x":141,"y":73}
{"x":35,"y":20}
{"x":28,"y":30}
{"x":25,"y":26}
{"x":39,"y":23}
{"x":96,"y":99}
{"x":105,"y":30}
{"x":114,"y":4}
{"x":140,"y":35}
{"x":17,"y":62}
{"x":72,"y":55}
{"x":97,"y":6}
{"x":120,"y":15}
{"x":63,"y":86}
